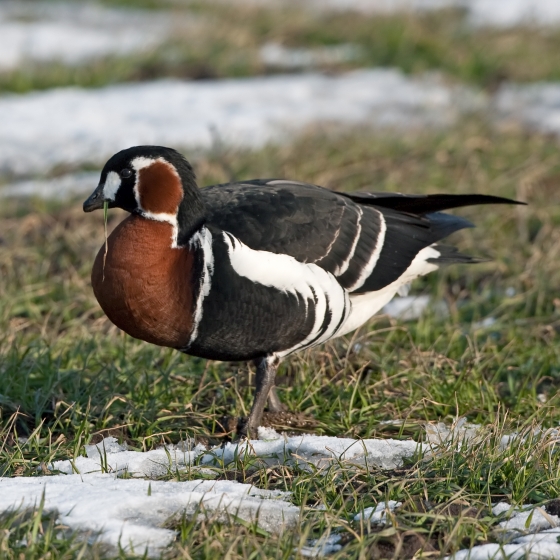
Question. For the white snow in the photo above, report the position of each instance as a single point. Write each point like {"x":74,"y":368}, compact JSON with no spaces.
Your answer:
{"x":498,"y":13}
{"x":508,"y":551}
{"x":109,"y":456}
{"x":130,"y":512}
{"x":510,"y":13}
{"x":321,"y":451}
{"x":72,"y":126}
{"x":73,"y":32}
{"x":465,"y":433}
{"x":279,"y":56}
{"x":534,"y":541}
{"x":536,"y":106}
{"x":273,"y":448}
{"x":377,"y":515}
{"x":526,"y":519}
{"x":317,"y":548}
{"x":411,"y":308}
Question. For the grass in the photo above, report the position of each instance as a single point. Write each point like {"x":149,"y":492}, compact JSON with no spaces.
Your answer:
{"x":215,"y":41}
{"x":68,"y":377}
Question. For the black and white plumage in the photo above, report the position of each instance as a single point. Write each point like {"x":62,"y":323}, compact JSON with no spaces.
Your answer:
{"x":265,"y":267}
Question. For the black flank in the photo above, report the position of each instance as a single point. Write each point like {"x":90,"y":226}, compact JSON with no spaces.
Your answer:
{"x":243,"y":320}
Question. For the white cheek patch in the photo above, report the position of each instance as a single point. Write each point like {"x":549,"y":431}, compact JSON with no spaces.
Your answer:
{"x":112,"y":184}
{"x":140,"y":162}
{"x":137,"y":164}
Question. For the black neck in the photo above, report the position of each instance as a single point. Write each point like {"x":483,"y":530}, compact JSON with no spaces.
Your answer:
{"x":192,"y":211}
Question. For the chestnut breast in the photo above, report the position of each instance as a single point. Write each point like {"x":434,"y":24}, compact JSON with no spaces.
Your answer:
{"x":145,"y":287}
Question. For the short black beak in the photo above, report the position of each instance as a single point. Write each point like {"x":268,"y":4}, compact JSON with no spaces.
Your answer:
{"x":95,"y":201}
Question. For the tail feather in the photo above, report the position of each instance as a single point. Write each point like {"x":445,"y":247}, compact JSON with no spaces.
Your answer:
{"x":451,"y":255}
{"x":425,"y":204}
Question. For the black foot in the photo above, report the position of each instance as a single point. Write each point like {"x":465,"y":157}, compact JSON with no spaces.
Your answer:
{"x":266,"y":372}
{"x":274,"y":403}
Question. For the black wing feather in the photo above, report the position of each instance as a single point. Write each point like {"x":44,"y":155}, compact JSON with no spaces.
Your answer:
{"x":425,"y":204}
{"x":339,"y":231}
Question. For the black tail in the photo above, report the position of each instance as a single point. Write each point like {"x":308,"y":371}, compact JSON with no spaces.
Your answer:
{"x":425,"y":204}
{"x":451,"y":255}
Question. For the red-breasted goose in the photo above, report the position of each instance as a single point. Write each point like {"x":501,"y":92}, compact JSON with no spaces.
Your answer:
{"x":259,"y":269}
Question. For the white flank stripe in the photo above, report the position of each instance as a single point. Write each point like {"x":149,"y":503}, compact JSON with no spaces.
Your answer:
{"x":368,"y":269}
{"x":366,"y":305}
{"x":344,"y":266}
{"x":111,"y":186}
{"x":202,"y":239}
{"x":286,"y":274}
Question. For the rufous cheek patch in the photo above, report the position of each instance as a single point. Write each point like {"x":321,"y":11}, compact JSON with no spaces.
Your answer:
{"x":159,"y":188}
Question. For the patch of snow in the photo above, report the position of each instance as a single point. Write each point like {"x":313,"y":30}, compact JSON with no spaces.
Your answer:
{"x":382,"y":6}
{"x":541,"y":543}
{"x":320,"y":451}
{"x":548,"y":535}
{"x":521,"y":551}
{"x":495,"y":13}
{"x":501,"y":507}
{"x":527,"y":519}
{"x":411,"y":308}
{"x":130,"y":512}
{"x":462,"y":432}
{"x":486,"y":323}
{"x":491,"y":552}
{"x":536,"y":106}
{"x":511,"y":13}
{"x":458,"y":433}
{"x":73,"y":33}
{"x":106,"y":445}
{"x":317,"y":548}
{"x":279,"y":56}
{"x":268,"y":434}
{"x":377,"y":515}
{"x":109,"y":456}
{"x":73,"y":126}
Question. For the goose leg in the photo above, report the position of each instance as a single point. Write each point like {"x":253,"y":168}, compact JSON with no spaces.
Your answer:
{"x":266,"y":372}
{"x":274,"y":402}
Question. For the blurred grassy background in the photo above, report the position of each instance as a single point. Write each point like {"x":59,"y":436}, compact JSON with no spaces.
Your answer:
{"x":218,"y":40}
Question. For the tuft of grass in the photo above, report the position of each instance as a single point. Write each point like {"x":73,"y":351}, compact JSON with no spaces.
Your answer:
{"x":68,"y":377}
{"x":35,"y":533}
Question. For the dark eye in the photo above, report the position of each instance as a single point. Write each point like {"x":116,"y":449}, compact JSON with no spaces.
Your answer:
{"x":126,"y":173}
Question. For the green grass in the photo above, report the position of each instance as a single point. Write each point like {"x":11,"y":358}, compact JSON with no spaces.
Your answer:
{"x":68,"y":377}
{"x":216,"y":41}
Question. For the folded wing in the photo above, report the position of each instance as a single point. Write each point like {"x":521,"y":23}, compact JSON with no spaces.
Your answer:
{"x":366,"y":240}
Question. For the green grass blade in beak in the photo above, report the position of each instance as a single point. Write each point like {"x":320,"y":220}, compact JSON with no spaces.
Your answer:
{"x":105,"y":214}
